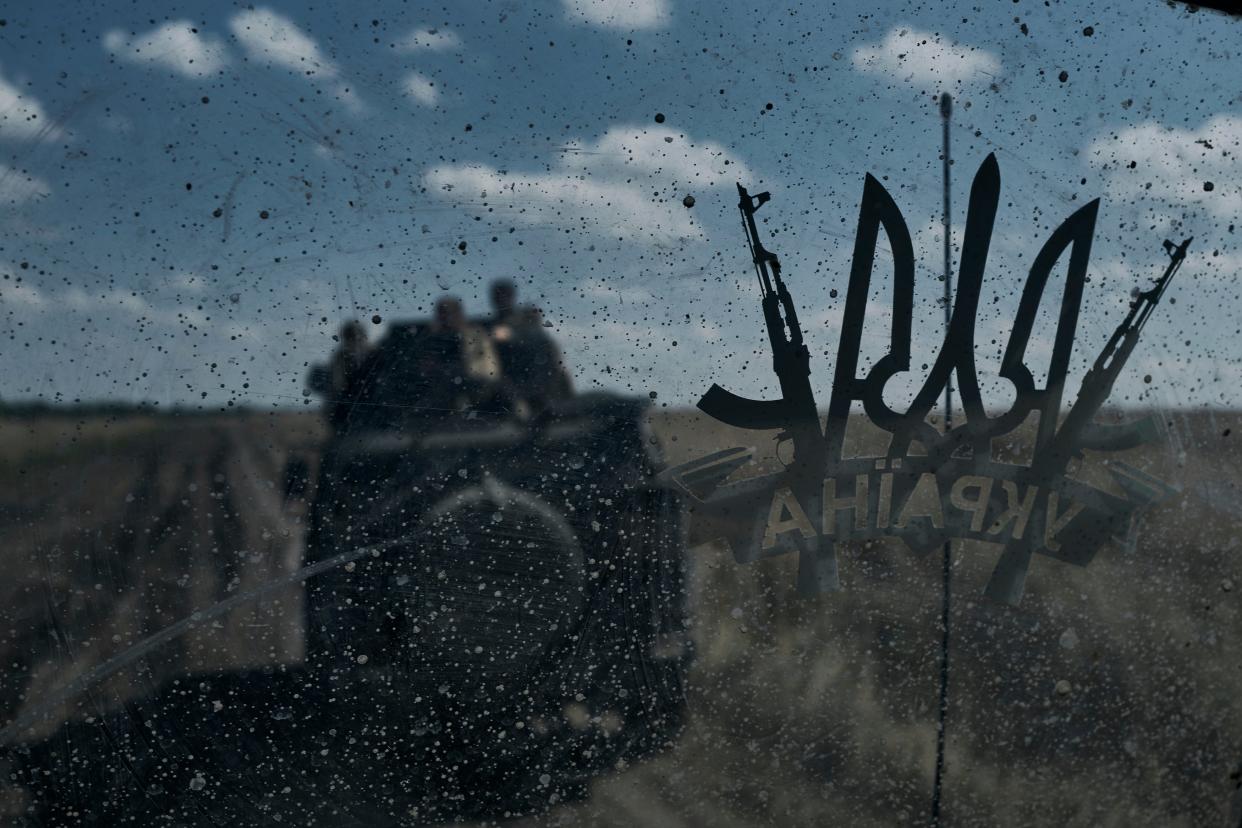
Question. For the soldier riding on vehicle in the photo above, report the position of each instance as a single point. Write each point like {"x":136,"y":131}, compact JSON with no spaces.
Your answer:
{"x":530,"y":360}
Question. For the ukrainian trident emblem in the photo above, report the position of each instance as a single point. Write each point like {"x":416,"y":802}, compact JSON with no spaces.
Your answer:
{"x":952,"y":487}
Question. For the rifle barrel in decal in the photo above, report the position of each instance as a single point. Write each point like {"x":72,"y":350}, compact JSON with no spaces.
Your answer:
{"x":1098,"y":382}
{"x":795,"y":413}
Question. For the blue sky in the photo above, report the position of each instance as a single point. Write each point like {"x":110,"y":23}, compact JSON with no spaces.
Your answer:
{"x":194,"y":195}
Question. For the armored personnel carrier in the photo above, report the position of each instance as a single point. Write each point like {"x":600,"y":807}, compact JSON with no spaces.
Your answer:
{"x":506,"y":622}
{"x":523,"y":617}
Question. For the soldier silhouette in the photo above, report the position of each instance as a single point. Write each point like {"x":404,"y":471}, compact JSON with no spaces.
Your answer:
{"x":344,"y":367}
{"x":503,"y":296}
{"x":533,"y":367}
{"x":459,"y":357}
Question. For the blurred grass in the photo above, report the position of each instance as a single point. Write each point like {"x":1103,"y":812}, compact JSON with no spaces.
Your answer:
{"x":1111,"y":696}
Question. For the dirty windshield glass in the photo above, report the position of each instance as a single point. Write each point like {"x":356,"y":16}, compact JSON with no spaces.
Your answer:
{"x":620,"y":412}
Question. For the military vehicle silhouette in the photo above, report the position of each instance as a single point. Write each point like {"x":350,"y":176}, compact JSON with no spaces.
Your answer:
{"x":516,"y":628}
{"x":531,"y":583}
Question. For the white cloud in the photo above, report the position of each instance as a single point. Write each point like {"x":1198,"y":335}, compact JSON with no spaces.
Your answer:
{"x":623,"y":151}
{"x":1203,"y":263}
{"x":21,"y":116}
{"x":431,"y":40}
{"x":1173,"y":167}
{"x":619,"y":14}
{"x":600,"y":289}
{"x":81,"y":300}
{"x":1226,"y":266}
{"x":269,"y":36}
{"x":616,"y":337}
{"x":928,"y":242}
{"x":176,"y":46}
{"x":189,"y":281}
{"x":604,"y":188}
{"x":20,"y":293}
{"x":241,"y":330}
{"x":555,"y":198}
{"x":925,"y":59}
{"x":421,"y":88}
{"x":131,"y":303}
{"x":19,"y":186}
{"x":275,"y":40}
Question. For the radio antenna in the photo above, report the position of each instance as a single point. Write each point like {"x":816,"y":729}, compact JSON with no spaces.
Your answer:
{"x":946,"y":574}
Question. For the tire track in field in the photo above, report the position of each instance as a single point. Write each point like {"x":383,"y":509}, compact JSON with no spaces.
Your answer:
{"x":193,"y":517}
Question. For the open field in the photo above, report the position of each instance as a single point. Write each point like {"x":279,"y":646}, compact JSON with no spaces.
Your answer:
{"x":1111,"y":696}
